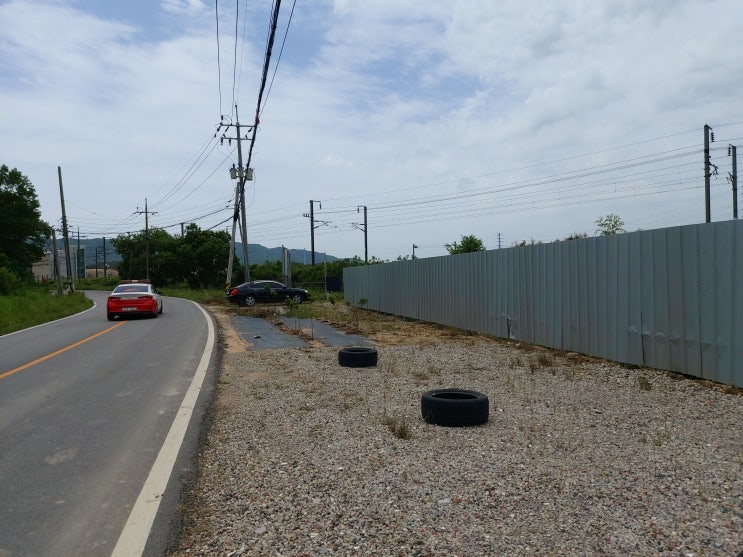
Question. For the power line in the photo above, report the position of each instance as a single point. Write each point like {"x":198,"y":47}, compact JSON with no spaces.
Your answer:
{"x":219,"y":64}
{"x":234,"y":64}
{"x":278,"y":59}
{"x":198,"y":162}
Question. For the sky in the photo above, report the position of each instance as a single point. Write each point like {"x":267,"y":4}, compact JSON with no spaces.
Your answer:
{"x":511,"y":121}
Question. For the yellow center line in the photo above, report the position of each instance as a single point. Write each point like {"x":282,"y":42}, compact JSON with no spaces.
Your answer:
{"x":65,"y":349}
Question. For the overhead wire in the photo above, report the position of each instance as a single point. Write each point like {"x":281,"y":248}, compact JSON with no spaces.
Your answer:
{"x":196,"y":162}
{"x":278,"y":59}
{"x":414,"y":213}
{"x":514,"y":196}
{"x":234,"y":63}
{"x":678,"y":183}
{"x":219,"y":63}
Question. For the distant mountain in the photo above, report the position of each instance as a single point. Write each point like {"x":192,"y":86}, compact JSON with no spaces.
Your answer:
{"x":260,"y":254}
{"x":256,"y":252}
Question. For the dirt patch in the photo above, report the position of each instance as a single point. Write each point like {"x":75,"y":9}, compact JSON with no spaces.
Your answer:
{"x":231,"y":341}
{"x":382,"y":329}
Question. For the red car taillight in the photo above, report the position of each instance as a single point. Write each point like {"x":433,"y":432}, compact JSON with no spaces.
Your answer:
{"x":233,"y":292}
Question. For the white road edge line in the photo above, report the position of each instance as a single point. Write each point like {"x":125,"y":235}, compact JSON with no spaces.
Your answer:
{"x":134,"y":536}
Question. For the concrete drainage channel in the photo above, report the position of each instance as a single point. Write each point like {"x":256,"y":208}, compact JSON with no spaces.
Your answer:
{"x":444,"y":407}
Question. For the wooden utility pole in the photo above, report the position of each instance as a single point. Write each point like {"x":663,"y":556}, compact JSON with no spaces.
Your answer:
{"x":70,"y":281}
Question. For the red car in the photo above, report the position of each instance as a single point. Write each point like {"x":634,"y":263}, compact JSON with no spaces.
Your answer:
{"x":134,"y":298}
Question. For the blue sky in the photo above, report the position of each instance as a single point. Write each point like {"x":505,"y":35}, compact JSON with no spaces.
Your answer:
{"x":512,"y":120}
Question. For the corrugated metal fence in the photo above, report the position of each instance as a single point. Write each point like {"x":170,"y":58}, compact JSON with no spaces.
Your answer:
{"x":669,"y":299}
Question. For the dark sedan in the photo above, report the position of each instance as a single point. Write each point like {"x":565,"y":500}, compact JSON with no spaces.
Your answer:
{"x":264,"y":291}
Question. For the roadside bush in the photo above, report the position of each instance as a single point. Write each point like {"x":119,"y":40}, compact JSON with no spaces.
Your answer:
{"x":9,"y":282}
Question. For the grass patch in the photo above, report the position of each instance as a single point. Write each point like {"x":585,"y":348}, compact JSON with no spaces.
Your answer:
{"x":206,"y":296}
{"x":398,"y":427}
{"x":35,"y":306}
{"x":546,"y":360}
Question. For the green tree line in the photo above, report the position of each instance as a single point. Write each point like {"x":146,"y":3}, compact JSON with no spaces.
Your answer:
{"x":23,"y":234}
{"x":199,"y":258}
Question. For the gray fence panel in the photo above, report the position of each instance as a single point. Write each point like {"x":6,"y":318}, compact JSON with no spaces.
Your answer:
{"x":634,"y":299}
{"x":707,"y":299}
{"x":670,"y":299}
{"x":500,"y":287}
{"x":690,"y":294}
{"x":609,"y":310}
{"x":676,"y":321}
{"x":594,"y":259}
{"x":725,"y":264}
{"x":734,"y":375}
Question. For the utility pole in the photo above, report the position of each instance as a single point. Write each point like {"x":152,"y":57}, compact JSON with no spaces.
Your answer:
{"x":707,"y":210}
{"x":414,"y":246}
{"x":498,"y":240}
{"x":55,"y":259}
{"x":364,"y":229}
{"x":241,"y":174}
{"x":734,"y":178}
{"x":104,"y":257}
{"x":243,"y":220}
{"x":65,"y":235}
{"x":254,"y":128}
{"x":311,"y":215}
{"x":146,"y":237}
{"x":79,"y":261}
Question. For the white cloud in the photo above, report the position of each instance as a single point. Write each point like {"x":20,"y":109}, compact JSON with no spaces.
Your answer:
{"x":184,"y":7}
{"x":380,"y":103}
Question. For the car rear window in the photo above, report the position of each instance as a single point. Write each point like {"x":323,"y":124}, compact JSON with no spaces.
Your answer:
{"x":130,"y":288}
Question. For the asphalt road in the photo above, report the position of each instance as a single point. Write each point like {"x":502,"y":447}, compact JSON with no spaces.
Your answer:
{"x":86,"y":406}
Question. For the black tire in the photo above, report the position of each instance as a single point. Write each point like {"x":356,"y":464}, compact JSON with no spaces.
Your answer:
{"x":249,"y":301}
{"x":161,"y":309}
{"x":297,"y":298}
{"x":357,"y":356}
{"x":111,"y":316}
{"x":455,"y":407}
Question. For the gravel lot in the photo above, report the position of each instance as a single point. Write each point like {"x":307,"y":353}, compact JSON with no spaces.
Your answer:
{"x":579,"y":456}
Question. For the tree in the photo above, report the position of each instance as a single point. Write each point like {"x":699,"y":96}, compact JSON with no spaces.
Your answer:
{"x":610,"y":225}
{"x":576,"y":236}
{"x":198,"y":258}
{"x":208,"y":253}
{"x":22,"y":232}
{"x":468,"y":244}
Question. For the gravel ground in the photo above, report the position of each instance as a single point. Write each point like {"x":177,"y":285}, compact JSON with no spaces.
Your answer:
{"x":579,"y":456}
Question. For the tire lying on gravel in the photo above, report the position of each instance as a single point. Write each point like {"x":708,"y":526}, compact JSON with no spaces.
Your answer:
{"x":455,"y":407}
{"x":357,"y":356}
